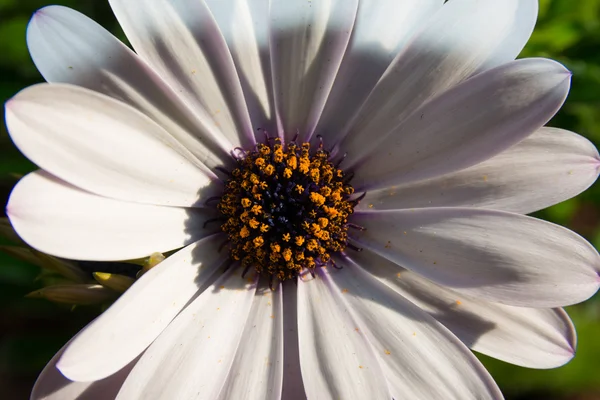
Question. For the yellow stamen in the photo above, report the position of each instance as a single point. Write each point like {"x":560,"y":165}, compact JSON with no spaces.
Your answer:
{"x":256,"y":209}
{"x":292,"y":162}
{"x":312,"y":245}
{"x":287,"y":254}
{"x":269,"y":170}
{"x":244,"y":232}
{"x":317,"y":198}
{"x":260,"y":204}
{"x":258,"y":241}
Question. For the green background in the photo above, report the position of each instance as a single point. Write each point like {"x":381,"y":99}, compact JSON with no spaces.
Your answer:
{"x":31,"y":331}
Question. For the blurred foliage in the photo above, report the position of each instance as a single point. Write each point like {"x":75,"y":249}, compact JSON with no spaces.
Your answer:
{"x":32,"y":330}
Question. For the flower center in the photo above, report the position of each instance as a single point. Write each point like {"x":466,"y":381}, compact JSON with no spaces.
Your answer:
{"x":286,"y":209}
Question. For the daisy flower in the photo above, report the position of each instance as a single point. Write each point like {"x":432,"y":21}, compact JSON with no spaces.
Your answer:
{"x":345,"y":183}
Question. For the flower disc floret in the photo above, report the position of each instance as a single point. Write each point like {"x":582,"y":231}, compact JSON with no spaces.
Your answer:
{"x":286,"y":209}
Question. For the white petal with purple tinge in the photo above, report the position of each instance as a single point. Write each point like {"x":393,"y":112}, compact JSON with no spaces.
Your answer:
{"x":182,"y":42}
{"x":257,"y":371}
{"x":530,"y":337}
{"x":123,"y":331}
{"x":59,"y":219}
{"x":52,"y":385}
{"x":382,"y":29}
{"x":192,"y":358}
{"x":550,"y":166}
{"x":336,"y":360}
{"x":99,"y":61}
{"x":106,"y":147}
{"x":293,"y":385}
{"x":308,"y":41}
{"x":463,"y":38}
{"x":420,"y":357}
{"x":493,"y":255}
{"x":466,"y":125}
{"x":245,"y":26}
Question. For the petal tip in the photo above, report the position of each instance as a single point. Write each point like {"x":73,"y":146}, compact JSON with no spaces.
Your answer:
{"x":65,"y":370}
{"x":47,"y":11}
{"x":8,"y":210}
{"x":571,"y":350}
{"x":39,"y":13}
{"x":566,"y":76}
{"x":42,"y":13}
{"x":568,"y":356}
{"x":45,"y":14}
{"x":9,"y":103}
{"x":560,"y":360}
{"x":559,"y":70}
{"x":72,"y":373}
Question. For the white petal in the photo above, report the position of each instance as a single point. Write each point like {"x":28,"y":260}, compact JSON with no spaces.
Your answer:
{"x":245,"y":26}
{"x":52,"y":385}
{"x":193,"y":356}
{"x":336,"y":358}
{"x":104,"y":146}
{"x":550,"y":166}
{"x":293,"y":386}
{"x":257,"y":371}
{"x":181,"y":40}
{"x":468,"y":124}
{"x":59,"y":219}
{"x":123,"y":331}
{"x":493,"y":255}
{"x":382,"y":29}
{"x":68,"y":47}
{"x":533,"y":338}
{"x":465,"y":37}
{"x":421,"y":358}
{"x":308,"y":40}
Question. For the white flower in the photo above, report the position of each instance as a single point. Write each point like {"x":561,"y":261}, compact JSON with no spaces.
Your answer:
{"x":442,"y":130}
